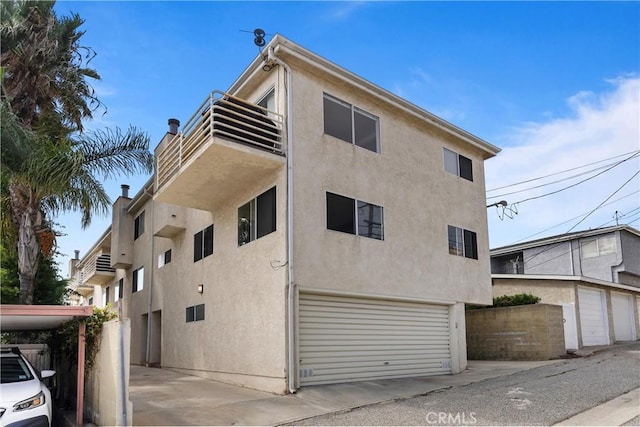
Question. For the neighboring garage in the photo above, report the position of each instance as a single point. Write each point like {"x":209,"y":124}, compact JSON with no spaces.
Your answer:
{"x":605,"y":312}
{"x":592,"y":307}
{"x":343,"y":339}
{"x":623,"y":318}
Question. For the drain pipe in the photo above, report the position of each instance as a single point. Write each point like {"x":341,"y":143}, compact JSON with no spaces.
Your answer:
{"x":150,"y":302}
{"x":291,"y":287}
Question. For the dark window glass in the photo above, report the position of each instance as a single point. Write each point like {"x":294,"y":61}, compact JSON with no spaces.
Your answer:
{"x":340,"y":213}
{"x":337,"y":119}
{"x":199,"y":315}
{"x":90,"y":300}
{"x":120,"y":288}
{"x":190,"y":315}
{"x":366,"y":131}
{"x":470,"y":245}
{"x":466,"y":168}
{"x":208,"y":241}
{"x":167,"y":257}
{"x":134,"y":281}
{"x":197,"y":246}
{"x":370,"y":220}
{"x":455,"y":240}
{"x":266,"y":215}
{"x":245,"y":223}
{"x":138,"y":226}
{"x":106,"y":293}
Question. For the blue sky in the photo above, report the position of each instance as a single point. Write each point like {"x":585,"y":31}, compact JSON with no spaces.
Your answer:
{"x":555,"y":85}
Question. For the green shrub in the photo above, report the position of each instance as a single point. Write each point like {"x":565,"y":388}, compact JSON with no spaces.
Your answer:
{"x":507,"y":301}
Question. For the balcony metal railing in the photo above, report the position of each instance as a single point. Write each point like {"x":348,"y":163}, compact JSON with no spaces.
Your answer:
{"x":221,"y":115}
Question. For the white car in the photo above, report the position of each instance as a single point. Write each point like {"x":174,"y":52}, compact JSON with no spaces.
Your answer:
{"x":24,"y":400}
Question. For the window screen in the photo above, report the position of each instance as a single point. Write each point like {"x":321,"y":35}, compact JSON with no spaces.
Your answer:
{"x":366,"y":131}
{"x":337,"y":119}
{"x":370,"y":220}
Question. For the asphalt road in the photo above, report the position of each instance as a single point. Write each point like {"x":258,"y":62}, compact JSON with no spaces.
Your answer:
{"x":540,"y":396}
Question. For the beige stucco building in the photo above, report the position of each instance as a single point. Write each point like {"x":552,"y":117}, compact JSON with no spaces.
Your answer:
{"x":303,"y":227}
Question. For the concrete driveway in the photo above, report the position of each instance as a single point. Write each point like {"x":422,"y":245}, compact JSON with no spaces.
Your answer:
{"x":163,"y":397}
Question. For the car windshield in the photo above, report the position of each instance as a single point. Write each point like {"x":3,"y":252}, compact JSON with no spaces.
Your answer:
{"x":13,"y":370}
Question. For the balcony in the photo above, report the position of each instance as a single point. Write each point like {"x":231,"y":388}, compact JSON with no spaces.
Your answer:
{"x":226,"y":145}
{"x":96,"y":270}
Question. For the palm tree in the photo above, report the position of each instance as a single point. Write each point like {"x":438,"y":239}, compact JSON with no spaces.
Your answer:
{"x":43,"y":176}
{"x":44,"y":65}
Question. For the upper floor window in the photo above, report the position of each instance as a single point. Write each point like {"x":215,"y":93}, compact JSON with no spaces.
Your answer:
{"x":118,"y":292}
{"x":138,"y":226}
{"x":137,"y":282}
{"x":462,"y":242}
{"x":195,"y":313}
{"x":458,"y":164}
{"x":202,"y":244}
{"x":268,"y":102}
{"x":600,"y":246}
{"x":105,"y":296}
{"x":164,"y":258}
{"x":354,"y":216}
{"x":257,"y":217}
{"x":351,"y":124}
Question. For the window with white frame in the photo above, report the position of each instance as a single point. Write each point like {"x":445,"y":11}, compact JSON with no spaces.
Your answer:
{"x":138,"y":226}
{"x":164,"y":258}
{"x":137,"y":282}
{"x":354,"y":216}
{"x":202,"y":244}
{"x":268,"y":101}
{"x":462,"y":242}
{"x":458,"y":164}
{"x":257,"y":218}
{"x":597,"y":247}
{"x":105,"y":296}
{"x":351,"y":124}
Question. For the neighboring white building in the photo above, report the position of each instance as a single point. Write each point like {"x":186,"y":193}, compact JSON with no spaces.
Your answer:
{"x":593,"y":274}
{"x":303,"y":227}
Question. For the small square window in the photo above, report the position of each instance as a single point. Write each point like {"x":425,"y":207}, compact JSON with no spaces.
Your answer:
{"x":199,"y":312}
{"x":164,"y":258}
{"x":462,"y":242}
{"x":458,"y":164}
{"x":589,"y":248}
{"x":341,"y":213}
{"x":194,"y":313}
{"x":337,"y":119}
{"x":191,"y":314}
{"x":370,"y":220}
{"x":606,"y":245}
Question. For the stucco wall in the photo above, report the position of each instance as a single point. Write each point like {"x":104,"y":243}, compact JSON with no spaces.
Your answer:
{"x":549,"y":259}
{"x":107,"y":383}
{"x":630,"y":245}
{"x":407,"y":178}
{"x":550,"y":291}
{"x":528,"y":332}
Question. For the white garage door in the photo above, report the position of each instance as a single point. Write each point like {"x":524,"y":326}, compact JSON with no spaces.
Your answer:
{"x":623,"y":319}
{"x":346,"y":339}
{"x":593,"y":319}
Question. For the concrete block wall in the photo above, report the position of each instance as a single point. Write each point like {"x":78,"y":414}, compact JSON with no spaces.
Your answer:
{"x":526,"y":332}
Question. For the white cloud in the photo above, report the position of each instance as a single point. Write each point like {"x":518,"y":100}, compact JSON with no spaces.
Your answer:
{"x":600,"y":126}
{"x":345,"y":10}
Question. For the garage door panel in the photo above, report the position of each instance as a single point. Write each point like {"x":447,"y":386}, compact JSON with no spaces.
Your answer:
{"x":345,"y":339}
{"x":623,"y":317}
{"x":593,"y":320}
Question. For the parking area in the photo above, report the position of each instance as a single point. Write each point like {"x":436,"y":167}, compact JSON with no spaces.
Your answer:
{"x":164,"y":397}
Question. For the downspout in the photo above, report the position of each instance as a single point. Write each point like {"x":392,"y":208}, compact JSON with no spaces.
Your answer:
{"x":148,"y":352}
{"x":291,"y":286}
{"x":123,"y":376}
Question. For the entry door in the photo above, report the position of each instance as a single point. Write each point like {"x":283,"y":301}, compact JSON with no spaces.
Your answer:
{"x":570,"y":326}
{"x":623,"y":319}
{"x":593,"y":318}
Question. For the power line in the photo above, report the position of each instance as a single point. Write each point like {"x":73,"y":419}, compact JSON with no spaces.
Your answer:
{"x":579,"y":182}
{"x":552,"y":244}
{"x":561,"y":172}
{"x":576,"y":217}
{"x":552,"y":182}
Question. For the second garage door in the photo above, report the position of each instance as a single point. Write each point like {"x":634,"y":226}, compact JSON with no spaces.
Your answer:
{"x":623,"y":318}
{"x":593,"y":320}
{"x":346,"y":339}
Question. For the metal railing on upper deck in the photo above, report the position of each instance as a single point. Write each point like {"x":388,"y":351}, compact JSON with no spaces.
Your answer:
{"x":222,"y":115}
